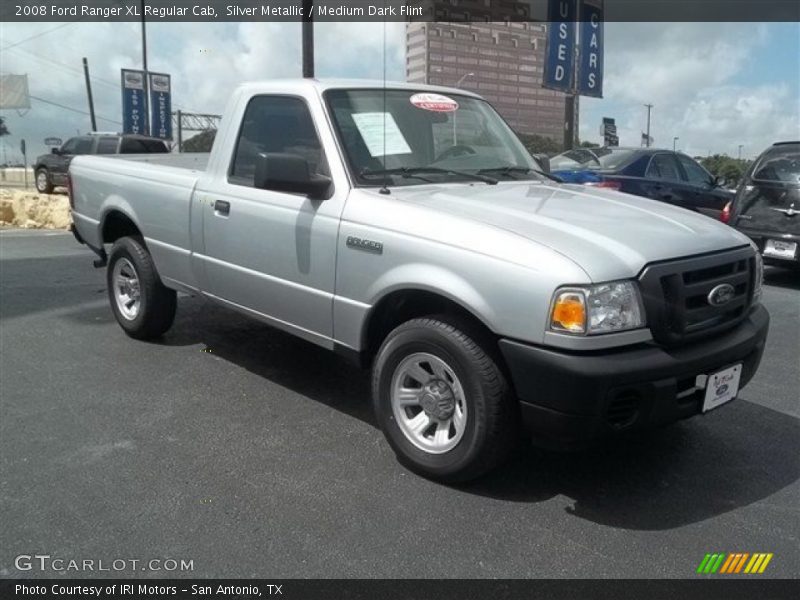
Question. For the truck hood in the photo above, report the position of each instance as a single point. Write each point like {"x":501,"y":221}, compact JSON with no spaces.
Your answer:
{"x":610,"y":235}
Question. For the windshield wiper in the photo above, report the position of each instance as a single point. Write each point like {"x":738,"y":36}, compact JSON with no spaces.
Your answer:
{"x":416,"y":172}
{"x":510,"y":169}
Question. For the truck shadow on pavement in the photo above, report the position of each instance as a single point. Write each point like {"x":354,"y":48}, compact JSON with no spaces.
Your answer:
{"x":784,"y":278}
{"x":663,"y":479}
{"x":687,"y":473}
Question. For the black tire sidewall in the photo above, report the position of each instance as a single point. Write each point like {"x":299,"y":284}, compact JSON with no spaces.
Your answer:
{"x":436,"y":342}
{"x":48,"y":184}
{"x":122,"y":249}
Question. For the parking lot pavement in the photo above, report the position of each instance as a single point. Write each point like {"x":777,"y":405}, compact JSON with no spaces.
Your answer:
{"x":255,"y":454}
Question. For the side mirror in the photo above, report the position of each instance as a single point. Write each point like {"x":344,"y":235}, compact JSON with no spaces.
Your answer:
{"x":544,"y":161}
{"x":55,"y":150}
{"x":719,"y":181}
{"x":290,"y":173}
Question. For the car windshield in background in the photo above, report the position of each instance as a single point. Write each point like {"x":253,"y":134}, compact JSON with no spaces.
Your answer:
{"x":404,"y":137}
{"x":781,"y":163}
{"x":591,"y":158}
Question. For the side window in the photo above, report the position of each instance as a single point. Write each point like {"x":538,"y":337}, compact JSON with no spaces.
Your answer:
{"x":69,"y":146}
{"x":694,"y":172}
{"x":83,"y":145}
{"x":663,"y":166}
{"x":277,"y":124}
{"x":107,"y":145}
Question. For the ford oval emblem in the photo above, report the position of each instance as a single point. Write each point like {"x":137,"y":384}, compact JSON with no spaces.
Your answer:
{"x":722,"y":389}
{"x":721,"y":295}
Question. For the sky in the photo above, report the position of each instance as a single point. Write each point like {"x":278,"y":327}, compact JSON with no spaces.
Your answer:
{"x":713,"y":85}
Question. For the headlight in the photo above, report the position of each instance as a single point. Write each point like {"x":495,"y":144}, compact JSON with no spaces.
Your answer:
{"x":602,"y":308}
{"x":758,"y":280}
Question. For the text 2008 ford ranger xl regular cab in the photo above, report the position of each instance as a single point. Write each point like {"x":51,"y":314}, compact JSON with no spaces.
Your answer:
{"x":407,"y":227}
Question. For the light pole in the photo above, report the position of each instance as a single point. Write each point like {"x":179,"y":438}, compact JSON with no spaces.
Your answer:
{"x":458,"y":83}
{"x":649,"y":108}
{"x":675,"y":139}
{"x":463,"y":77}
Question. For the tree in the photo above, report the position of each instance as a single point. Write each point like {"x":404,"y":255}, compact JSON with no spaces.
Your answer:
{"x":587,"y":144}
{"x":726,"y":167}
{"x":539,"y":144}
{"x":3,"y":129}
{"x":202,"y":142}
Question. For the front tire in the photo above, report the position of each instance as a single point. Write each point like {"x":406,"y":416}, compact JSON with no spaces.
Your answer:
{"x":442,"y":401}
{"x":142,"y":305}
{"x":43,"y":183}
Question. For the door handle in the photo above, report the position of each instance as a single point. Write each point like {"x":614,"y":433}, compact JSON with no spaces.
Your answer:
{"x":222,"y":207}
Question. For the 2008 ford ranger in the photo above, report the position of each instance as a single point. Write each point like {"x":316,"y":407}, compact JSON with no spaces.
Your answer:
{"x":407,"y":227}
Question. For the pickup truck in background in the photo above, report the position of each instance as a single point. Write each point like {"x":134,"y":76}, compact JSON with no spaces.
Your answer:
{"x":50,"y":170}
{"x":406,"y":227}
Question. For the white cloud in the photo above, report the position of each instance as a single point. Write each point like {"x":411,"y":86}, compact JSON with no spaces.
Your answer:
{"x":698,"y":77}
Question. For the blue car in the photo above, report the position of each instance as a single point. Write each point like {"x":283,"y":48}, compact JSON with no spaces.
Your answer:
{"x":662,"y":175}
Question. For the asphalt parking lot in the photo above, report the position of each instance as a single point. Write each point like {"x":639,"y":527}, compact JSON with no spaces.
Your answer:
{"x":254,"y":454}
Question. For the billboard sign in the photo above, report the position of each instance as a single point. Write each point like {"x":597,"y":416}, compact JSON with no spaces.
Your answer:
{"x":133,"y":116}
{"x":609,"y":132}
{"x":559,"y":65}
{"x":14,"y":92}
{"x":160,"y":106}
{"x":590,"y":52}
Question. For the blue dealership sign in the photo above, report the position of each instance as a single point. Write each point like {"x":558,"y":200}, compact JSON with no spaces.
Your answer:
{"x":590,"y":71}
{"x":133,"y":113}
{"x":160,"y":106}
{"x":559,"y":66}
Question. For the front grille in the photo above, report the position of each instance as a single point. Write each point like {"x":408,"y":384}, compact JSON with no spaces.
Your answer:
{"x":675,"y":295}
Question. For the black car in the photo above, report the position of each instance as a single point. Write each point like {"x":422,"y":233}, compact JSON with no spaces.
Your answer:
{"x":661,"y":175}
{"x":51,"y":169}
{"x":767,"y":204}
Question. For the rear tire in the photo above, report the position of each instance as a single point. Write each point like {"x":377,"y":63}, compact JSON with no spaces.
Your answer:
{"x":142,"y":305}
{"x":43,"y":183}
{"x":461,"y":421}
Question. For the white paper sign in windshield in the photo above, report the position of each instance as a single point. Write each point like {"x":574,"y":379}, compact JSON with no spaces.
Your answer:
{"x":374,"y":126}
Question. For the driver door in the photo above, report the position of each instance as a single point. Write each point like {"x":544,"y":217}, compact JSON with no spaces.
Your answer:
{"x":272,"y":253}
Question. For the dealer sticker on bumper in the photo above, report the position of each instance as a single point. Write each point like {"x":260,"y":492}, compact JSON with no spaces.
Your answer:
{"x":722,"y":387}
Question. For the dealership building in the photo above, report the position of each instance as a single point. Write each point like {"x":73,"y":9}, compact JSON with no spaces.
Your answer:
{"x":501,"y":61}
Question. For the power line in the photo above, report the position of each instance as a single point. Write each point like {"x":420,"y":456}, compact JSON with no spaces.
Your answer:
{"x":76,"y":110}
{"x":33,"y":37}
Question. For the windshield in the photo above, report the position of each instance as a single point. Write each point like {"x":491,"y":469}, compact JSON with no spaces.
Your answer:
{"x":781,"y":163}
{"x":404,"y":137}
{"x":591,"y":158}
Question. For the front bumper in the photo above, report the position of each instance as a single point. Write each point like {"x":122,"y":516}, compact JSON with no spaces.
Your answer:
{"x":568,"y":400}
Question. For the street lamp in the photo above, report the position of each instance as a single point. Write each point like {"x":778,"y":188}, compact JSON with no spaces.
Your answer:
{"x":675,"y":139}
{"x":463,"y":77}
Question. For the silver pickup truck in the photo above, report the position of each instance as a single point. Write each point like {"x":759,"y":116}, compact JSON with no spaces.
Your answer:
{"x":406,"y":227}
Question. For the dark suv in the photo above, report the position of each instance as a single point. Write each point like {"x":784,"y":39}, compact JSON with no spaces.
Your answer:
{"x":51,"y":169}
{"x":767,"y":204}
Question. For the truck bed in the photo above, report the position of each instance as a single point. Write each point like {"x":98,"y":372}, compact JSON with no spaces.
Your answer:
{"x":155,"y":190}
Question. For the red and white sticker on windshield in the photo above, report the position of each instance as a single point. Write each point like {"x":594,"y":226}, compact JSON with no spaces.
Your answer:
{"x":434,"y":102}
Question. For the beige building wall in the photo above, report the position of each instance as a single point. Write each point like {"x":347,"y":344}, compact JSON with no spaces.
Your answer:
{"x":506,"y":58}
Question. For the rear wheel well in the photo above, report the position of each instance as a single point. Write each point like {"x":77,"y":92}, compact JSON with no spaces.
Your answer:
{"x":401,"y":306}
{"x":117,"y":225}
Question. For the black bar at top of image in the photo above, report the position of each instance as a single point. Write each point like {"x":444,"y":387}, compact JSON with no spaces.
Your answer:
{"x":739,"y":588}
{"x":390,"y":10}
